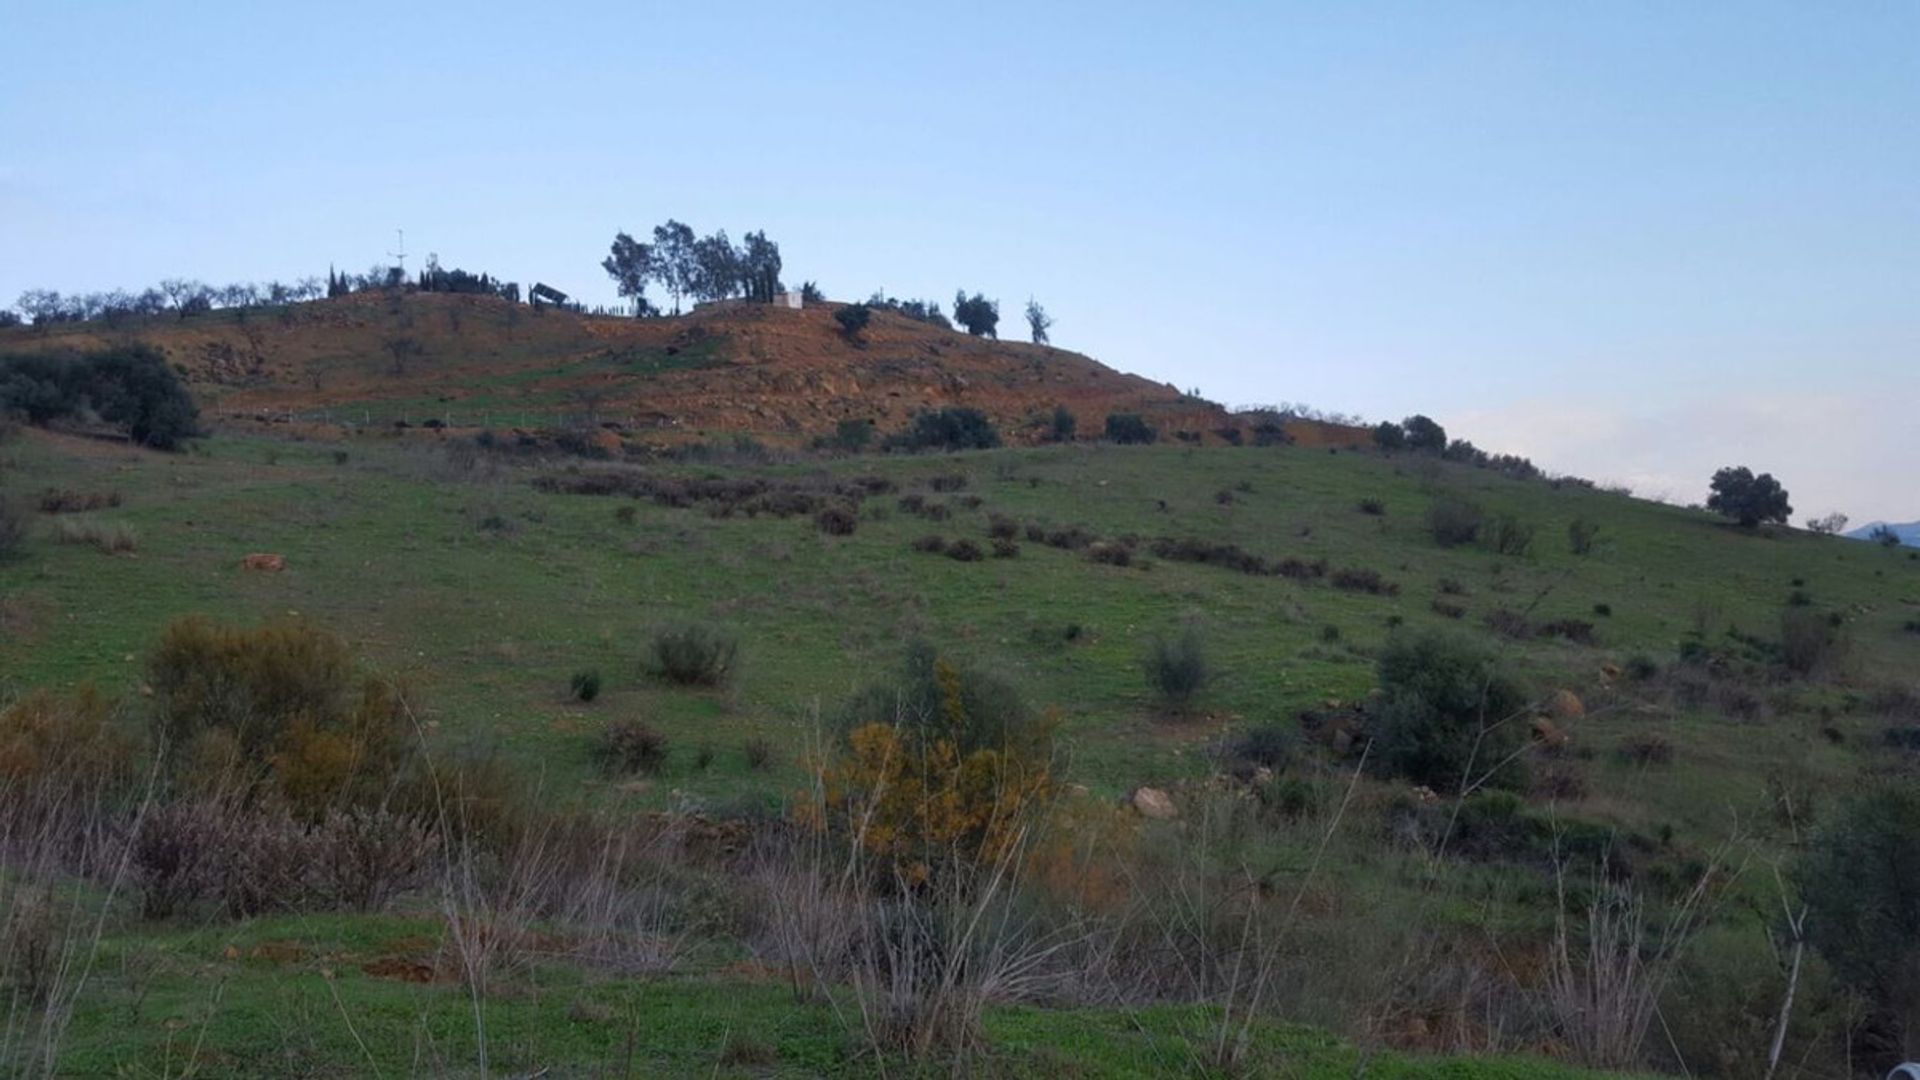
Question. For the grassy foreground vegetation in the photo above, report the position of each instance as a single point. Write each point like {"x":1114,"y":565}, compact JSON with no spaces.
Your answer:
{"x":276,"y":995}
{"x":1605,"y":725}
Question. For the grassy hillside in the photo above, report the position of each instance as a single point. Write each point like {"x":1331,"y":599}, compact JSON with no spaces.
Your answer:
{"x":484,"y":579}
{"x":480,"y":587}
{"x":488,"y":593}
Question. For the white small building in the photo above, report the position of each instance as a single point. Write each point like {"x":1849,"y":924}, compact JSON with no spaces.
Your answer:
{"x":787,"y":300}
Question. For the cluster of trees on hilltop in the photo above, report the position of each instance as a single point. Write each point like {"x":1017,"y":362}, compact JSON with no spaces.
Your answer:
{"x":378,"y":276}
{"x":926,"y":311}
{"x":1737,"y":492}
{"x":434,"y":278}
{"x":683,"y":264}
{"x":978,"y":315}
{"x":1417,"y":432}
{"x":431,"y":278}
{"x":181,"y":296}
{"x":981,"y":316}
{"x":1423,"y":434}
{"x":688,"y":266}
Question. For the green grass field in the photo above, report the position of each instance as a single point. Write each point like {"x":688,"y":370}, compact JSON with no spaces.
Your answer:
{"x":291,"y":997}
{"x":486,"y":595}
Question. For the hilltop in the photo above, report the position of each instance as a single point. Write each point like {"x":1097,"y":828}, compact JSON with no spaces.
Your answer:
{"x":377,"y":358}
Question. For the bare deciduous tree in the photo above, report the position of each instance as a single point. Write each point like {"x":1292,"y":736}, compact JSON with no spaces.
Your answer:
{"x":1038,"y":321}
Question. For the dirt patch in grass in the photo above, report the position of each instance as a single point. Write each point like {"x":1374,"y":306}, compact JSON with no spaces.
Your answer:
{"x":404,"y":969}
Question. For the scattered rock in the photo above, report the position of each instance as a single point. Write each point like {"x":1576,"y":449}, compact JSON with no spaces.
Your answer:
{"x":261,"y":561}
{"x":278,"y":952}
{"x":402,"y":969}
{"x":1153,"y":803}
{"x":1547,"y":734}
{"x":1565,"y":705}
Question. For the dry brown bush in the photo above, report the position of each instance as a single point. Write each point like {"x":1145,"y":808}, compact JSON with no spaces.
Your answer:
{"x":106,"y":538}
{"x":69,"y":501}
{"x":1604,"y":984}
{"x":837,"y":520}
{"x":624,"y":747}
{"x":364,"y":858}
{"x":175,"y":855}
{"x":63,"y":749}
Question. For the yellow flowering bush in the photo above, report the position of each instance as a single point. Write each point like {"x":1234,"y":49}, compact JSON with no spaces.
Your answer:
{"x":925,"y":797}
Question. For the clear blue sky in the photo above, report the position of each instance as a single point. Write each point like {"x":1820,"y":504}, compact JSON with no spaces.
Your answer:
{"x":1634,"y":241}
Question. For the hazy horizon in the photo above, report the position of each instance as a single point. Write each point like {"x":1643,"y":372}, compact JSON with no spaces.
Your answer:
{"x":1632,"y":243}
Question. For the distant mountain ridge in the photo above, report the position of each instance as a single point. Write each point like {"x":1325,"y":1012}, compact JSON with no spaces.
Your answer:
{"x":1908,"y":533}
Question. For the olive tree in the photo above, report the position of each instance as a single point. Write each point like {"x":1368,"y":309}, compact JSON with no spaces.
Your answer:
{"x":1748,"y":499}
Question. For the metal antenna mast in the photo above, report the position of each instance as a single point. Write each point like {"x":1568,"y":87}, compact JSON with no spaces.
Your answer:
{"x":402,"y":253}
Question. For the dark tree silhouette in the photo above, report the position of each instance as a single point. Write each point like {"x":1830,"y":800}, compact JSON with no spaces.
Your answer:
{"x":1748,"y":499}
{"x":1038,"y":321}
{"x":760,"y":267}
{"x":853,"y":319}
{"x":630,"y":264}
{"x":1422,"y":433}
{"x":979,"y":315}
{"x":674,"y":264}
{"x":717,"y":270}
